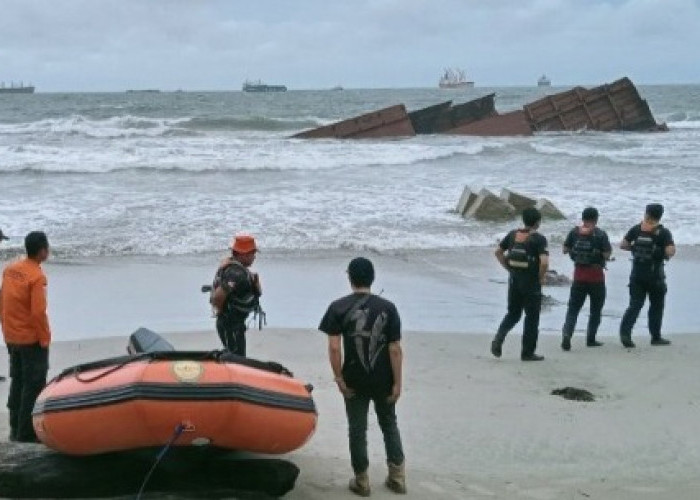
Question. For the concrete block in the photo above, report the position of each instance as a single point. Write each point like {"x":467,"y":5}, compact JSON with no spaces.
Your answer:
{"x":548,"y":210}
{"x":489,"y":207}
{"x":466,"y":200}
{"x":519,"y":201}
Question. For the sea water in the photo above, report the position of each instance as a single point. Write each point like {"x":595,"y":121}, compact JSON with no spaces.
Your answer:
{"x":178,"y":173}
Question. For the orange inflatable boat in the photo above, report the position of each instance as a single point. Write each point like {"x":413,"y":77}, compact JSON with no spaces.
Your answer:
{"x":187,"y":398}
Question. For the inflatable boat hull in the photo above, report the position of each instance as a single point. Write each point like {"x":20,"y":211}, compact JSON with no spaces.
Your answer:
{"x":194,"y":398}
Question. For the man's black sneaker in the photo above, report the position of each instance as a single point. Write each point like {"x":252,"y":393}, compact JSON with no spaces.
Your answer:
{"x":496,"y":348}
{"x":627,"y":342}
{"x":566,"y":343}
{"x":532,"y":357}
{"x":660,"y":341}
{"x":2,"y":379}
{"x":593,"y":343}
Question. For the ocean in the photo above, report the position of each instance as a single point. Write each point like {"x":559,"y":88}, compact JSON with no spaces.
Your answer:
{"x":178,"y":173}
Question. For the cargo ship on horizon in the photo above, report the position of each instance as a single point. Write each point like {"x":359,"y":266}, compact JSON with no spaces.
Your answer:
{"x":16,"y":89}
{"x":259,"y":86}
{"x":455,"y":79}
{"x":544,"y":81}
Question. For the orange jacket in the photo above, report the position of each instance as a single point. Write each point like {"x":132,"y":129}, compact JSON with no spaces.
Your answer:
{"x":23,"y":304}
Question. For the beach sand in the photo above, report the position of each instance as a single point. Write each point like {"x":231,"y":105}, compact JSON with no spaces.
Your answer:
{"x":475,"y":427}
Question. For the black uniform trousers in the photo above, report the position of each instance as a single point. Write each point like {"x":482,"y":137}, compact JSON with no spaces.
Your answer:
{"x":656,"y":290}
{"x":29,"y":365}
{"x":524,"y":295}
{"x":579,"y":291}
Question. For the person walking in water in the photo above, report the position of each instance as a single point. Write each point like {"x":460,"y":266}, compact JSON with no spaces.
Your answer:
{"x":523,"y":253}
{"x":589,"y":248}
{"x":364,"y":348}
{"x":651,"y":245}
{"x":236,"y":293}
{"x":25,"y":326}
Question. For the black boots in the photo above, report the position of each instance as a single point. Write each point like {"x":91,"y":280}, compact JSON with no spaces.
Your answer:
{"x":660,"y":341}
{"x":627,"y":342}
{"x":532,"y":357}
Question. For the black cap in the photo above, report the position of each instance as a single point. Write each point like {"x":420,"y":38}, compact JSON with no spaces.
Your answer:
{"x":2,"y":236}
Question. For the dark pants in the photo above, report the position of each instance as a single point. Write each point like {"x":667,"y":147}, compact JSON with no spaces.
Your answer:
{"x":639,"y":289}
{"x":357,"y":409}
{"x":29,"y":365}
{"x":579,"y":292}
{"x":523,"y":295}
{"x":232,"y":334}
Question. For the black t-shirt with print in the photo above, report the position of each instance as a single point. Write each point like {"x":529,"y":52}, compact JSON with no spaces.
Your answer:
{"x":662,"y":239}
{"x":536,"y":246}
{"x":368,"y":324}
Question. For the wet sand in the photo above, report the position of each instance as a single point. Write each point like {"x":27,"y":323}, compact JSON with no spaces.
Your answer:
{"x":479,"y":428}
{"x":450,"y":291}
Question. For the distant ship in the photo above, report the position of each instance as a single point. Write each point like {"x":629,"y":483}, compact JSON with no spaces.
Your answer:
{"x":259,"y":86}
{"x":455,"y":79}
{"x":143,"y":91}
{"x":544,"y":81}
{"x":338,"y":87}
{"x":16,"y":89}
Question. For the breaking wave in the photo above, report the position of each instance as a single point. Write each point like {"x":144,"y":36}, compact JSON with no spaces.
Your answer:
{"x":130,"y":126}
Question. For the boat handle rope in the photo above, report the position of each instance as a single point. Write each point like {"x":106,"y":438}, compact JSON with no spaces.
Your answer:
{"x":106,"y":372}
{"x":179,"y":429}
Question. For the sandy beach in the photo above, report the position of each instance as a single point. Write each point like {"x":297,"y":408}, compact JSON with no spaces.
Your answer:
{"x":475,"y":427}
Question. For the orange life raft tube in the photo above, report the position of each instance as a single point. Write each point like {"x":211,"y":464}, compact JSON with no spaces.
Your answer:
{"x":195,"y":398}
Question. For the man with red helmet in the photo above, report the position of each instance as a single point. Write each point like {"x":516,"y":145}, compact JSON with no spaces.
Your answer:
{"x":235,"y":293}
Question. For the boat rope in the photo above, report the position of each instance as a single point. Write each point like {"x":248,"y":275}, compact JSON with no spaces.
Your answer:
{"x":106,"y":372}
{"x":161,"y":454}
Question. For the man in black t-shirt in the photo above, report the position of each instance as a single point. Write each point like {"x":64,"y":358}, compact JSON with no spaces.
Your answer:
{"x":364,"y":348}
{"x":651,"y":245}
{"x":523,"y":253}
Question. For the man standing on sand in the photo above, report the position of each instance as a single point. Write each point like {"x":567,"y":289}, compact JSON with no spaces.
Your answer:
{"x":25,"y":326}
{"x":651,"y":245}
{"x":236,"y":293}
{"x":589,"y":248}
{"x":523,"y":253}
{"x":364,"y":348}
{"x":2,"y":238}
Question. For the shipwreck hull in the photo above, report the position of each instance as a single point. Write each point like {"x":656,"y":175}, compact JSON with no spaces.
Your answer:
{"x":612,"y":107}
{"x":507,"y":124}
{"x":388,"y":122}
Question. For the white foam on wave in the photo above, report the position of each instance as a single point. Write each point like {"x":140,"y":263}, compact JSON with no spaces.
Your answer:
{"x":229,"y":154}
{"x":686,"y":124}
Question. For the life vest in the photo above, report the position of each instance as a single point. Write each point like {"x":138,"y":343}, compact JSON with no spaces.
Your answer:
{"x":518,"y":258}
{"x":644,"y":247}
{"x":240,"y":301}
{"x":585,"y":251}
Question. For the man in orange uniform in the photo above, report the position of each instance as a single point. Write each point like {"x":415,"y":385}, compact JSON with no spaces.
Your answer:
{"x":25,"y":326}
{"x":2,"y":238}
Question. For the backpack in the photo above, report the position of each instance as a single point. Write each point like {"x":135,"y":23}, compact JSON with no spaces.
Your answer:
{"x":222,"y":301}
{"x":518,"y":258}
{"x":585,"y":250}
{"x":644,"y":247}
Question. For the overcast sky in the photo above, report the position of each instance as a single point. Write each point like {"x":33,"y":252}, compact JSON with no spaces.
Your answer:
{"x":216,"y":44}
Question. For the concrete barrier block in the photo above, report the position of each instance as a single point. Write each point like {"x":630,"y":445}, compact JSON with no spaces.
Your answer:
{"x":489,"y":207}
{"x":549,"y":210}
{"x":466,"y":200}
{"x":519,"y":201}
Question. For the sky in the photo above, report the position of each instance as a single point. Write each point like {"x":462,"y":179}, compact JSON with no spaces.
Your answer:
{"x":103,"y":45}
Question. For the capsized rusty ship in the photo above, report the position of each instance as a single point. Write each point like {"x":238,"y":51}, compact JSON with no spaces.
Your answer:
{"x":616,"y":106}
